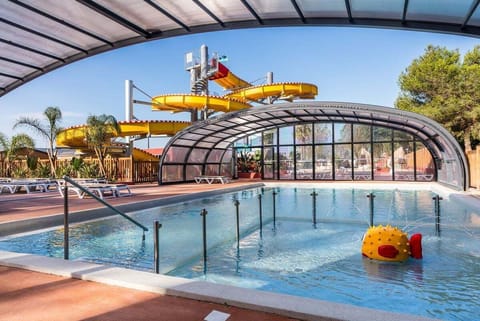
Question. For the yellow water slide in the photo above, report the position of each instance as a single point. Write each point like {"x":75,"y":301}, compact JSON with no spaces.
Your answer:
{"x":74,"y":137}
{"x":241,"y":95}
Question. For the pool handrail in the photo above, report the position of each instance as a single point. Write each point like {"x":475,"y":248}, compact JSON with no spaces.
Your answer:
{"x":86,"y":191}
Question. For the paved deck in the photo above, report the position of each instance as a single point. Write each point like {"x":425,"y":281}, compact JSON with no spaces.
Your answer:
{"x":28,"y":295}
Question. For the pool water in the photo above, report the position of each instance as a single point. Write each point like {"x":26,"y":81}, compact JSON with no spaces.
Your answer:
{"x":291,"y":254}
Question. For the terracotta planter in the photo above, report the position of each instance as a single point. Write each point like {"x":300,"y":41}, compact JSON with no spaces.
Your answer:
{"x":248,"y":175}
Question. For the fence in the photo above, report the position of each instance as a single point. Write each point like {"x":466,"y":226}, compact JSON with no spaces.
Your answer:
{"x":119,"y":169}
{"x":473,"y":158}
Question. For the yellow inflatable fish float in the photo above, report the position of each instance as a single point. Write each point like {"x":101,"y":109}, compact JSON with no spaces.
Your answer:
{"x":388,"y":243}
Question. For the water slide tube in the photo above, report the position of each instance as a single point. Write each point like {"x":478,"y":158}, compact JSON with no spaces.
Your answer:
{"x":241,"y":95}
{"x":74,"y":137}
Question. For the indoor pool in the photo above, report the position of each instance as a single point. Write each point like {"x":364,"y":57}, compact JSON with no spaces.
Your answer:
{"x":291,"y":254}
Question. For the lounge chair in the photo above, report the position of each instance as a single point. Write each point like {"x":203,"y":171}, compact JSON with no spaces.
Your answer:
{"x":99,"y":189}
{"x":211,"y":179}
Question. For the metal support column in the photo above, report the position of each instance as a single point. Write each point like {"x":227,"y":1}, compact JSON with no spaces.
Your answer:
{"x":156,"y":245}
{"x":371,"y":196}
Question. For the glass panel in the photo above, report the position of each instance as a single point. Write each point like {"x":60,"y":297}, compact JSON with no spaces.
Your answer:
{"x":450,"y":11}
{"x":343,"y":132}
{"x":382,"y":160}
{"x":403,"y":161}
{"x":379,"y":9}
{"x":401,"y":135}
{"x":361,"y":133}
{"x":270,"y":137}
{"x":228,"y":10}
{"x":197,"y":155}
{"x":286,"y":162}
{"x":303,"y":134}
{"x":362,"y":162}
{"x":176,"y":154}
{"x":172,"y":173}
{"x":274,"y":9}
{"x":323,"y":133}
{"x":227,"y":157}
{"x":212,"y":169}
{"x":215,"y":156}
{"x":304,"y":159}
{"x":286,"y":135}
{"x":255,"y":140}
{"x":343,"y":162}
{"x":323,"y":162}
{"x":323,"y":8}
{"x":269,"y":162}
{"x":425,"y":167}
{"x":226,"y":170}
{"x":382,"y":134}
{"x":268,"y":171}
{"x":192,"y":171}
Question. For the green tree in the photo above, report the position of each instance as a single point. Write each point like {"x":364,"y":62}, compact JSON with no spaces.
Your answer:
{"x":48,"y":131}
{"x":99,"y":133}
{"x":442,"y":86}
{"x":12,"y":146}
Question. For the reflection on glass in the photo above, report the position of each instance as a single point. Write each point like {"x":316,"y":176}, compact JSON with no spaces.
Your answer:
{"x":304,"y":162}
{"x":255,"y":139}
{"x":286,"y":162}
{"x":323,"y":133}
{"x":362,"y":161}
{"x":381,"y":134}
{"x":269,"y":162}
{"x":192,"y":171}
{"x":172,"y":173}
{"x":270,"y":137}
{"x":425,"y":166}
{"x":382,"y":161}
{"x":360,"y":152}
{"x":286,"y":135}
{"x":343,"y":133}
{"x":403,"y":161}
{"x":361,"y":133}
{"x":323,"y":162}
{"x":343,"y":162}
{"x":303,"y":134}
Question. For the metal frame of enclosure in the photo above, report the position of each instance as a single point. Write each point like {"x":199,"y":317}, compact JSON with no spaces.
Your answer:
{"x":39,"y":36}
{"x":210,"y":147}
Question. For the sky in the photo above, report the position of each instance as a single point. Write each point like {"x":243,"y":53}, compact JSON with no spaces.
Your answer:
{"x":347,"y":64}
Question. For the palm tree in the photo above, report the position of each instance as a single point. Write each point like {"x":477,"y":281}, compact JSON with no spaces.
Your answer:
{"x":11,"y":148}
{"x":98,"y":134}
{"x":48,"y":131}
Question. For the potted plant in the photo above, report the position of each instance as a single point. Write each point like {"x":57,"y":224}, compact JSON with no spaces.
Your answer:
{"x":248,"y":165}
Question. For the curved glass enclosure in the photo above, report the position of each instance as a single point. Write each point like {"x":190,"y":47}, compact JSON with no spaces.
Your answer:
{"x":316,"y":141}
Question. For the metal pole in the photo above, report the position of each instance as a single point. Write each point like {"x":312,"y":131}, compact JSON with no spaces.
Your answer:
{"x":437,"y":200}
{"x":260,"y":211}
{"x":65,"y":222}
{"x":371,"y":196}
{"x":204,"y":213}
{"x":156,"y":245}
{"x":314,"y":207}
{"x":237,"y":203}
{"x":274,"y":208}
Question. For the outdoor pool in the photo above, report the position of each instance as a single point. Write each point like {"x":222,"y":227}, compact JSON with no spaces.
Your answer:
{"x":292,"y":255}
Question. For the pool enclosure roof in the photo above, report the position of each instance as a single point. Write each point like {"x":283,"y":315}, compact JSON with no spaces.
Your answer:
{"x":37,"y":36}
{"x":221,"y":132}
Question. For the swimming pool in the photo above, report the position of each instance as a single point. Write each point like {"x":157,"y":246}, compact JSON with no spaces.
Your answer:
{"x":294,"y":256}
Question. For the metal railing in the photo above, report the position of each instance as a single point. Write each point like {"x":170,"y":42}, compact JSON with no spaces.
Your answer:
{"x":85,"y":190}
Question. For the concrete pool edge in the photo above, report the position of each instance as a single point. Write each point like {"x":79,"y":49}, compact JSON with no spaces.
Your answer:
{"x":281,"y":304}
